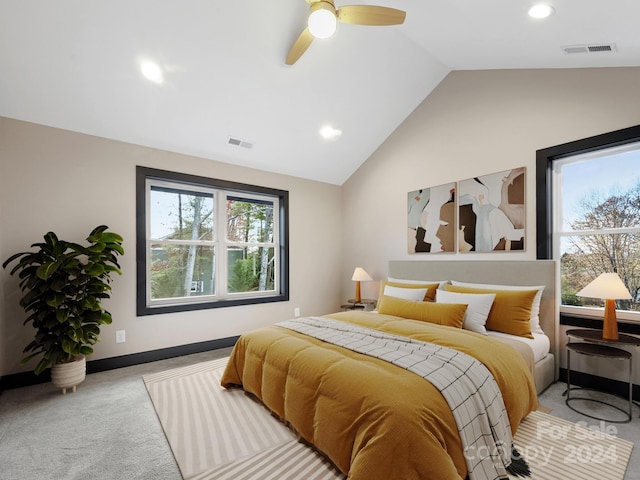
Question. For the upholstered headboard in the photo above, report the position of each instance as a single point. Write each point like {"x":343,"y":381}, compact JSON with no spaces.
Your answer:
{"x":507,"y":272}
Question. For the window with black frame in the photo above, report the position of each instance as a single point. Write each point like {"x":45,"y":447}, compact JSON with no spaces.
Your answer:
{"x":588,"y":195}
{"x":207,"y":243}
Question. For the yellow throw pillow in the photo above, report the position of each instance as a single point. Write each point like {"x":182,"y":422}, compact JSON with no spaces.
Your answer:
{"x":510,"y":312}
{"x":451,"y":314}
{"x":430,"y":295}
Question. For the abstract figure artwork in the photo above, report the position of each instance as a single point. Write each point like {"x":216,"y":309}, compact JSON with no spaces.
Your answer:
{"x":431,"y":215}
{"x":491,"y":212}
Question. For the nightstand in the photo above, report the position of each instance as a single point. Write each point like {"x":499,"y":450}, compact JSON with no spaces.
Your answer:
{"x":367,"y":304}
{"x":594,"y":345}
{"x":352,"y":306}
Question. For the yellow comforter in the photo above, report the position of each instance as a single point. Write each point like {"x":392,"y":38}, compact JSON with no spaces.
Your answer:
{"x":374,"y":420}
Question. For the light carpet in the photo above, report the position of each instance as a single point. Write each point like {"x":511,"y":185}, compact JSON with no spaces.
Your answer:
{"x":222,"y":434}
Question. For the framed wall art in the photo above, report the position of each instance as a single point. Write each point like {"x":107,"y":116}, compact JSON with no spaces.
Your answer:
{"x":491,"y":212}
{"x":431,"y":219}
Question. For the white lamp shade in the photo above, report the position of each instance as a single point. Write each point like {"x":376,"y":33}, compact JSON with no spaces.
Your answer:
{"x":359,"y":275}
{"x":607,"y":286}
{"x":322,"y":21}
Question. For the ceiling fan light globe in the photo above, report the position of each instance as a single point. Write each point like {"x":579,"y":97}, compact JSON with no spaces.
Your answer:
{"x":322,"y":23}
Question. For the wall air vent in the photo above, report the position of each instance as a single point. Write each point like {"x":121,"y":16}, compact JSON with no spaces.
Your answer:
{"x":236,"y":142}
{"x":590,"y":48}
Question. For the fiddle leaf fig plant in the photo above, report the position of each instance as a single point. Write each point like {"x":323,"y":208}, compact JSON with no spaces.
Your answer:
{"x":64,"y":284}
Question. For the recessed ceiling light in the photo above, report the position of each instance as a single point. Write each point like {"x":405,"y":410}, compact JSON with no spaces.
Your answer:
{"x":151,"y":71}
{"x":541,"y":10}
{"x":330,"y":133}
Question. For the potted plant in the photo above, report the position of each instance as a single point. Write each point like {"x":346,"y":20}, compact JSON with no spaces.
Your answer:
{"x":64,"y":285}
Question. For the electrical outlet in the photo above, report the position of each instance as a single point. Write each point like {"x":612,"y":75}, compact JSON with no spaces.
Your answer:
{"x":121,"y":336}
{"x":296,"y":312}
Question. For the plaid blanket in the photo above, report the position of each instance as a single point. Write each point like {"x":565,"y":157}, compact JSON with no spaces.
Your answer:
{"x":466,"y":384}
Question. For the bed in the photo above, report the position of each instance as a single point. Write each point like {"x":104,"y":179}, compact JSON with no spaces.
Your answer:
{"x":372,"y":419}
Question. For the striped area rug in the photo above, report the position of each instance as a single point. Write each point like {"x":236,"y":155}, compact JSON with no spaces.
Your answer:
{"x":218,"y":434}
{"x":206,"y":425}
{"x":559,"y":449}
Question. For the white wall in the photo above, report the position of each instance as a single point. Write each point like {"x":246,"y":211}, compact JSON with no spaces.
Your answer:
{"x":475,"y":123}
{"x":52,"y":179}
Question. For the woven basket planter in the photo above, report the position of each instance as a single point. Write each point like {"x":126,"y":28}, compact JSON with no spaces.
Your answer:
{"x":69,"y":375}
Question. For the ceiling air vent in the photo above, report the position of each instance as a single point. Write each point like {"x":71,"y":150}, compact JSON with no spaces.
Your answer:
{"x":236,"y":142}
{"x":590,"y":48}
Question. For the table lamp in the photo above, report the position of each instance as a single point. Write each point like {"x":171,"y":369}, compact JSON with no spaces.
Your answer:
{"x":609,"y":287}
{"x":359,"y":275}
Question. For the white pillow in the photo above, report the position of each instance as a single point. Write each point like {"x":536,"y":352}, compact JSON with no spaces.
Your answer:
{"x":417,"y":282}
{"x":416,"y":294}
{"x":478,"y":307}
{"x":535,"y":306}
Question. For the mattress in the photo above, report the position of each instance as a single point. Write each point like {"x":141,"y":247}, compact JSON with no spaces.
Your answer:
{"x":540,"y":344}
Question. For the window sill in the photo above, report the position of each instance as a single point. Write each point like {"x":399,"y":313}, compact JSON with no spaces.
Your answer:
{"x":186,"y":307}
{"x":629,"y":316}
{"x":588,"y":321}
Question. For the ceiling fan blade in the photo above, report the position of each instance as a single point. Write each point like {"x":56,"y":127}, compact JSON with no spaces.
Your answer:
{"x":370,"y":15}
{"x":299,"y":47}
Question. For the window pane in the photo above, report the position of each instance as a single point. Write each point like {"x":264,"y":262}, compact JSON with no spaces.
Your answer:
{"x":585,"y":257}
{"x":181,"y":271}
{"x":596,"y":190}
{"x":600,"y":195}
{"x":249,"y":221}
{"x":250,"y":269}
{"x":181,"y":214}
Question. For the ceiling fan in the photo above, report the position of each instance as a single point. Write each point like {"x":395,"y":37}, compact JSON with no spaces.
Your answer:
{"x":323,"y":16}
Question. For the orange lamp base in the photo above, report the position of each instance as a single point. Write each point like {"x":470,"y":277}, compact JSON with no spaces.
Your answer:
{"x":610,"y":325}
{"x":358,"y":299}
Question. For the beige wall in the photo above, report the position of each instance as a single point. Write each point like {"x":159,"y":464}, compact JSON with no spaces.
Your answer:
{"x":475,"y":123}
{"x":58,"y":180}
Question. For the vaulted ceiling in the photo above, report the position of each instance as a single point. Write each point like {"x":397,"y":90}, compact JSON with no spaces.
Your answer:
{"x":75,"y":64}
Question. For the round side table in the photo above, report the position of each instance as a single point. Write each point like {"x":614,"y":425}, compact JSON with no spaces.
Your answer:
{"x":352,"y":306}
{"x":596,"y":346}
{"x":364,"y":304}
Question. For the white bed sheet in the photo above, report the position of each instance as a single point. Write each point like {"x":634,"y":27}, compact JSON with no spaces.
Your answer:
{"x":540,"y":343}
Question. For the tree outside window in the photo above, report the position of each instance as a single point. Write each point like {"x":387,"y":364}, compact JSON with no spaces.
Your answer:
{"x":182,"y":247}
{"x":250,"y":250}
